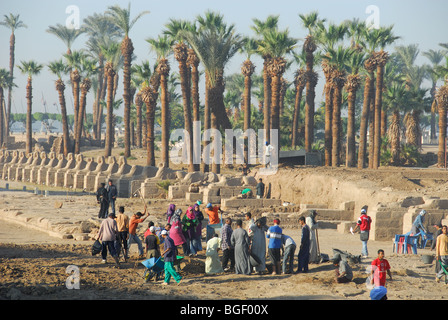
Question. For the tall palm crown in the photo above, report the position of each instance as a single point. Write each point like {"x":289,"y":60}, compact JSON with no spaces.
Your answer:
{"x":67,"y":35}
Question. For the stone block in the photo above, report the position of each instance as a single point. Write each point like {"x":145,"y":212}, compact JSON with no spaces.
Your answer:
{"x":194,"y":196}
{"x":412,"y":201}
{"x":177,"y":191}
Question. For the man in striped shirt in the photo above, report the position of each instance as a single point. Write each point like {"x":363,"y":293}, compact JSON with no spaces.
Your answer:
{"x":228,"y":252}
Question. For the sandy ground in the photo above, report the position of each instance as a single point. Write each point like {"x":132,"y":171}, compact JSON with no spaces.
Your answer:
{"x":33,"y":265}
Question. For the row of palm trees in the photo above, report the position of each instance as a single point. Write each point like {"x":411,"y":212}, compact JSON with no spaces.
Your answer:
{"x":350,"y":54}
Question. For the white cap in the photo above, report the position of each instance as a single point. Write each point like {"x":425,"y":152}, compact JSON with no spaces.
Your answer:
{"x":164,"y":232}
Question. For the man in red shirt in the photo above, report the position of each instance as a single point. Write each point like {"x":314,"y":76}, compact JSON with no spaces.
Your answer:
{"x":133,"y":224}
{"x":379,"y":268}
{"x":363,"y":224}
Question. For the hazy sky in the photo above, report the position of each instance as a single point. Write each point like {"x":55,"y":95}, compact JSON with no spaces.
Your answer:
{"x":418,"y":22}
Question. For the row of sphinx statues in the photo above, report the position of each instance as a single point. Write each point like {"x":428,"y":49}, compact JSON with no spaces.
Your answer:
{"x":77,"y":172}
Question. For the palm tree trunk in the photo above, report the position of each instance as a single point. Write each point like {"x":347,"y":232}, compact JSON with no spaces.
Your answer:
{"x":150,"y":160}
{"x":329,"y":93}
{"x":442,"y":103}
{"x":60,"y":87}
{"x":7,"y":116}
{"x":207,"y":121}
{"x":267,"y":99}
{"x":362,"y":148}
{"x":296,"y":117}
{"x":163,"y":70}
{"x":127,"y":49}
{"x":29,"y":133}
{"x":394,"y":136}
{"x":247,"y":70}
{"x":383,"y":56}
{"x":350,"y":154}
{"x":181,"y":54}
{"x":336,"y":125}
{"x":110,"y":101}
{"x":75,"y":78}
{"x":85,"y":87}
{"x":138,"y":107}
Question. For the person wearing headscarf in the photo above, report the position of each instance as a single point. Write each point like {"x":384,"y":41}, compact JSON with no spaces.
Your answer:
{"x":189,"y":223}
{"x":176,"y":232}
{"x":197,"y":243}
{"x":313,"y":225}
{"x":170,"y":212}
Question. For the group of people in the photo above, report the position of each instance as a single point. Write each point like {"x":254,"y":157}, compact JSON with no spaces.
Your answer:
{"x":105,"y":197}
{"x":244,"y":249}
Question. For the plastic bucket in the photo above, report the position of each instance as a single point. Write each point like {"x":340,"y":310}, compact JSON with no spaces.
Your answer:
{"x":427,"y":258}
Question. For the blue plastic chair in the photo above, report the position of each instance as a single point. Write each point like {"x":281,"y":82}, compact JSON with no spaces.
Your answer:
{"x":410,"y":242}
{"x":398,"y":243}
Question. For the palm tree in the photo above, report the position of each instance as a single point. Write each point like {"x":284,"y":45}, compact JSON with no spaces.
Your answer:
{"x":396,"y":98}
{"x":175,"y":29}
{"x":215,"y":43}
{"x":435,"y":57}
{"x":328,"y":37}
{"x":385,"y":38}
{"x":74,"y":60}
{"x":300,"y":82}
{"x":247,"y":69}
{"x":338,"y":59}
{"x":162,"y":46}
{"x":260,"y":28}
{"x":276,"y":44}
{"x":4,"y":83}
{"x":369,"y":42}
{"x":310,"y":22}
{"x":140,"y":75}
{"x":12,"y":22}
{"x":58,"y":68}
{"x":110,"y":69}
{"x":30,"y":68}
{"x":101,"y":32}
{"x":88,"y":68}
{"x":66,"y":35}
{"x":149,"y":97}
{"x":121,"y":17}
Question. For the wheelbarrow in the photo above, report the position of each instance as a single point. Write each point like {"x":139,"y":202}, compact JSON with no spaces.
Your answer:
{"x":155,"y":268}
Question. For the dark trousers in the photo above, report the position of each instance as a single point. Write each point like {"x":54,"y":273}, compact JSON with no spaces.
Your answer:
{"x":304,"y":258}
{"x":108,"y":245}
{"x":228,"y":254}
{"x":122,"y":242}
{"x":103,"y":209}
